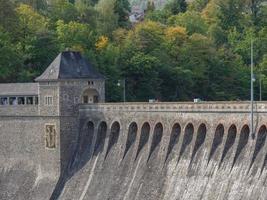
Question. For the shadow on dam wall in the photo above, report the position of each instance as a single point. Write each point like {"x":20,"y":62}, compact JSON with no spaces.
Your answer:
{"x":83,"y":151}
{"x":153,"y":161}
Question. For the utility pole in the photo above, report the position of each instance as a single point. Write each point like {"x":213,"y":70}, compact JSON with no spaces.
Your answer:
{"x":252,"y":93}
{"x":260,"y":87}
{"x":124,"y":88}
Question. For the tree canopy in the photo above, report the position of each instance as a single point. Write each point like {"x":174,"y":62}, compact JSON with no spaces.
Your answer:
{"x":183,"y":51}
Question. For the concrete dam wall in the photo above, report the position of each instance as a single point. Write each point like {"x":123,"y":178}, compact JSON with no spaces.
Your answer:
{"x":164,"y":151}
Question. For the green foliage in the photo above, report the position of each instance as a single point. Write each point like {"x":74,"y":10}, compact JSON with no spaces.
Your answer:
{"x":231,"y":13}
{"x":63,"y":10}
{"x":88,"y":14}
{"x":107,"y":20}
{"x":10,"y":61}
{"x":30,"y":22}
{"x":73,"y":36}
{"x":122,"y":9}
{"x":8,"y":16}
{"x":198,"y":5}
{"x":158,"y":16}
{"x":35,"y":4}
{"x":180,"y":52}
{"x":176,"y":6}
{"x":191,"y":20}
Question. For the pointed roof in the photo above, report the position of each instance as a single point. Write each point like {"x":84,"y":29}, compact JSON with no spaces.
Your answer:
{"x":69,"y":65}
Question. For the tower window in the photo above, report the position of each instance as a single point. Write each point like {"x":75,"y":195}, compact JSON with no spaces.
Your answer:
{"x":91,"y":83}
{"x":36,"y":100}
{"x":48,"y":100}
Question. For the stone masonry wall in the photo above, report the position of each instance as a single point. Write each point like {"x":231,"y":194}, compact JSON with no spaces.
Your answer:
{"x":23,"y":139}
{"x":18,"y":110}
{"x":176,"y":151}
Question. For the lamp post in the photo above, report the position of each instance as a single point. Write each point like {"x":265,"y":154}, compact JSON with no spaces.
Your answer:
{"x":252,"y":79}
{"x":260,"y":87}
{"x":124,"y":89}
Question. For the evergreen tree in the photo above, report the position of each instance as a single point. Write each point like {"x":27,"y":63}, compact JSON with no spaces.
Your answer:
{"x":231,"y":12}
{"x":107,"y":20}
{"x":8,"y":16}
{"x":176,"y":6}
{"x":122,"y":9}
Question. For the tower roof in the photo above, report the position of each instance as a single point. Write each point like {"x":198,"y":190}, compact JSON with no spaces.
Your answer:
{"x":69,"y":65}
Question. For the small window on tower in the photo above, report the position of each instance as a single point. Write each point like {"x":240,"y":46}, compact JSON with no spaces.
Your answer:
{"x":48,"y":100}
{"x":90,"y":82}
{"x":36,"y":100}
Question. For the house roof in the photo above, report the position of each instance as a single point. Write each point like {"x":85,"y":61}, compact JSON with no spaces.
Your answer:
{"x":18,"y":89}
{"x":70,"y":65}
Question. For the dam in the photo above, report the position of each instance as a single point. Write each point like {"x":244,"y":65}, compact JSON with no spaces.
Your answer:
{"x":60,"y":140}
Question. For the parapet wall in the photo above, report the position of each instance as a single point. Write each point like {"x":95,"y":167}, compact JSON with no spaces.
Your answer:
{"x":222,"y":106}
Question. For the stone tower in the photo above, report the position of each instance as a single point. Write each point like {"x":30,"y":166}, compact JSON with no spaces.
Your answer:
{"x":68,"y":81}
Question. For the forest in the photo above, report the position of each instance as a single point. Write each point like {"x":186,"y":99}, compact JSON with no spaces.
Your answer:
{"x":183,"y":51}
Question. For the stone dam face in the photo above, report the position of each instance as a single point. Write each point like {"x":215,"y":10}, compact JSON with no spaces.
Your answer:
{"x":143,"y":151}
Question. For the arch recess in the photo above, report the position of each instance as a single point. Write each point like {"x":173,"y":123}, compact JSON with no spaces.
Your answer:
{"x":188,"y":136}
{"x":261,"y":138}
{"x":201,"y":136}
{"x":131,"y":138}
{"x":231,"y":136}
{"x":100,"y":138}
{"x":174,"y":138}
{"x":145,"y":131}
{"x":87,"y":136}
{"x":217,"y":140}
{"x":114,"y":136}
{"x":243,"y":140}
{"x":157,"y":136}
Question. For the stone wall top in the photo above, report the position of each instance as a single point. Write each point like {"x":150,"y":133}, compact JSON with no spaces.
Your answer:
{"x":215,"y":106}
